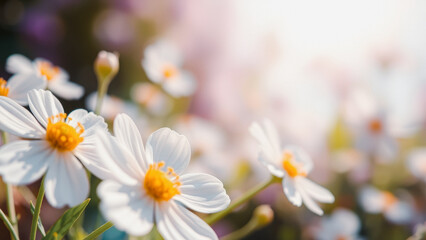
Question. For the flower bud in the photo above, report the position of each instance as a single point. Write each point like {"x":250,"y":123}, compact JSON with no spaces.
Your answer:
{"x":264,"y":215}
{"x":106,"y":65}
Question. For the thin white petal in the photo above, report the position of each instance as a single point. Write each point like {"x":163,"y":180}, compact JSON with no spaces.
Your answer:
{"x":16,"y":120}
{"x":127,"y":133}
{"x":117,"y":159}
{"x":90,"y":121}
{"x":23,"y":162}
{"x":316,"y":191}
{"x":291,"y":192}
{"x":175,"y":222}
{"x":87,"y":153}
{"x":66,"y":181}
{"x":270,"y":153}
{"x":170,"y":147}
{"x":66,"y":89}
{"x":44,"y":105}
{"x":18,"y":63}
{"x":309,"y":203}
{"x":202,"y":193}
{"x":273,"y":168}
{"x":19,"y":85}
{"x":127,"y":207}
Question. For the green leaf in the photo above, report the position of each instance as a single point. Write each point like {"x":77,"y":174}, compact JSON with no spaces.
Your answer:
{"x":62,"y":226}
{"x":39,"y":223}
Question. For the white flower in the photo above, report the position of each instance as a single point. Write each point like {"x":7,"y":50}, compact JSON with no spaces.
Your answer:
{"x":55,"y":78}
{"x":18,"y":86}
{"x":53,"y":144}
{"x":163,"y":65}
{"x":292,"y":164}
{"x":152,"y":98}
{"x":148,"y":186}
{"x":342,"y":224}
{"x":394,"y":209}
{"x":416,"y":163}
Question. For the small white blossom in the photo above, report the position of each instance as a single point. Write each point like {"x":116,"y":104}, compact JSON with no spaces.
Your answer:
{"x":293,"y":165}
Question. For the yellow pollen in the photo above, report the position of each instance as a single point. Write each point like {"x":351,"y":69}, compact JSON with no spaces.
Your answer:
{"x":169,"y":71}
{"x":4,"y":91}
{"x":61,"y":135}
{"x":48,"y":70}
{"x":291,"y":169}
{"x":162,"y":186}
{"x":375,"y":126}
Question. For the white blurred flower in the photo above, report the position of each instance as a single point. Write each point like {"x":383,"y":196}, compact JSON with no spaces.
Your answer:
{"x":293,"y":165}
{"x":111,"y":106}
{"x":148,"y":186}
{"x":18,"y":86}
{"x":54,"y":144}
{"x":394,"y":209}
{"x":152,"y":98}
{"x":55,"y":78}
{"x":342,"y":224}
{"x":416,"y":163}
{"x":368,"y":119}
{"x":163,"y":65}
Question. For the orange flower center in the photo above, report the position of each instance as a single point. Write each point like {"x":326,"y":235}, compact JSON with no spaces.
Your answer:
{"x":169,"y":71}
{"x":4,"y":91}
{"x":61,"y":135}
{"x":48,"y":70}
{"x":375,"y":126}
{"x":162,"y":186}
{"x":389,"y":199}
{"x":292,"y":168}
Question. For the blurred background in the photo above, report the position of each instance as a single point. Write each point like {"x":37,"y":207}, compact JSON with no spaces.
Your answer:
{"x":345,"y":80}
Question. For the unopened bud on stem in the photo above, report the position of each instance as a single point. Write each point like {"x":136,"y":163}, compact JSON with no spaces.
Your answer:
{"x":264,"y":215}
{"x":106,"y":65}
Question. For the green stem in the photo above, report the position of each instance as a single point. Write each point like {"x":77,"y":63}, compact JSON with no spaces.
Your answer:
{"x":9,"y":226}
{"x":9,"y":195}
{"x":249,"y":195}
{"x":102,"y":89}
{"x":99,"y":231}
{"x":251,"y":226}
{"x":37,"y":211}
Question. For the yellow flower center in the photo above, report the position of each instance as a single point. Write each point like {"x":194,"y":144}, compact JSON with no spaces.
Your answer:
{"x":290,"y":167}
{"x":169,"y":71}
{"x":61,"y":135}
{"x":375,"y":126}
{"x":48,"y":70}
{"x":4,"y":91}
{"x":162,"y":186}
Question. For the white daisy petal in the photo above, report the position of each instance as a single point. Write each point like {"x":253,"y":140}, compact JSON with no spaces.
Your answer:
{"x":17,"y":63}
{"x":66,"y":89}
{"x":127,"y":207}
{"x":118,"y":159}
{"x":309,"y":203}
{"x":20,"y":84}
{"x":128,"y":134}
{"x":266,"y":160}
{"x":16,"y":120}
{"x":315,"y":191}
{"x":44,"y":105}
{"x":87,"y":153}
{"x":270,"y":153}
{"x":170,"y":147}
{"x":66,"y":181}
{"x":176,"y":222}
{"x":202,"y":193}
{"x":90,"y":121}
{"x":291,"y":192}
{"x":23,"y":162}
